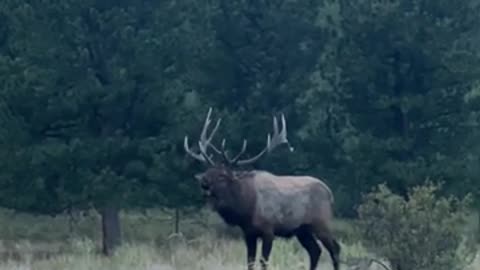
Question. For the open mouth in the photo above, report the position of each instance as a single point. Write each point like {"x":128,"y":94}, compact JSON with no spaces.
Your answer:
{"x":206,"y":191}
{"x":208,"y":194}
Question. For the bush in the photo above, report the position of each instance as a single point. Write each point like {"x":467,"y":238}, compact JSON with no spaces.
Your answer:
{"x":422,"y":232}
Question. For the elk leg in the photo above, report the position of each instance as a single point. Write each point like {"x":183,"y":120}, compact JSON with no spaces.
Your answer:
{"x":267,"y":242}
{"x":333,"y":248}
{"x":309,"y":243}
{"x":251,"y":242}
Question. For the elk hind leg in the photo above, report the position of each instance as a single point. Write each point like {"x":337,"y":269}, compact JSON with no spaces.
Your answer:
{"x":331,"y":244}
{"x":307,"y":239}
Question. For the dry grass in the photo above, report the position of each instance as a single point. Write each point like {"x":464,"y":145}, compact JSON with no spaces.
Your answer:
{"x":205,"y":252}
{"x":42,"y":243}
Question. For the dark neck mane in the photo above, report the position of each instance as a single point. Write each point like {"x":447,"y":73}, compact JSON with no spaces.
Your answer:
{"x":239,"y":213}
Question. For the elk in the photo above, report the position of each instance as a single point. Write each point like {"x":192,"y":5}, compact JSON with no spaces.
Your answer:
{"x":265,"y":205}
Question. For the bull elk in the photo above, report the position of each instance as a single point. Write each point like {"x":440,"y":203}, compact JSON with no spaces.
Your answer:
{"x":265,"y":205}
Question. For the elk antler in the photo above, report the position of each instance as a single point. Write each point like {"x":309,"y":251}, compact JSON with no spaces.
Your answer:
{"x":278,"y":138}
{"x":204,"y":141}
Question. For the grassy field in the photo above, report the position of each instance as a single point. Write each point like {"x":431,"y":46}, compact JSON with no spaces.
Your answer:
{"x":205,"y":243}
{"x":205,"y":252}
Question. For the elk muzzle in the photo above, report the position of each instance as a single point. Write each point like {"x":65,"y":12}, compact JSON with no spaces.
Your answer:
{"x":206,"y":191}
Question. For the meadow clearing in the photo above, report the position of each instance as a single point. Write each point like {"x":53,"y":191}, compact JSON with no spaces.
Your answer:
{"x":44,"y":243}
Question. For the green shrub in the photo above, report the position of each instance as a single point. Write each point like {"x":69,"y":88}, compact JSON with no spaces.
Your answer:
{"x":421,"y":232}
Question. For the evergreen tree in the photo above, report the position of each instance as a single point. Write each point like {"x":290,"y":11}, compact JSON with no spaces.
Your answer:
{"x":406,"y":67}
{"x":96,"y":89}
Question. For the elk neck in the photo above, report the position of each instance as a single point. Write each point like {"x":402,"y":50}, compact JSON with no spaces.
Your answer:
{"x":240,"y":209}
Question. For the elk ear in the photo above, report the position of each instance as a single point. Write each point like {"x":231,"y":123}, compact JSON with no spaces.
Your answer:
{"x":199,"y":176}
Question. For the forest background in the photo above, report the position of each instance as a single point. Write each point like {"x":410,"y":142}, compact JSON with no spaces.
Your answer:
{"x":97,"y":96}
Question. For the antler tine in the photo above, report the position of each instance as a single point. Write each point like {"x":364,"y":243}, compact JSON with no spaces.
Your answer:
{"x":203,"y":152}
{"x":244,"y":148}
{"x":214,"y":129}
{"x":277,"y":139}
{"x":275,"y":125}
{"x":205,"y":141}
{"x":283,"y":134}
{"x":215,"y":149}
{"x":259,"y":155}
{"x":209,"y":140}
{"x":206,"y":123}
{"x":203,"y":135}
{"x":224,"y":152}
{"x":190,"y":152}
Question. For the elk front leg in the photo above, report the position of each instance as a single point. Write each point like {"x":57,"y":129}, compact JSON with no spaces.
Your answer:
{"x":267,"y":242}
{"x":251,"y":242}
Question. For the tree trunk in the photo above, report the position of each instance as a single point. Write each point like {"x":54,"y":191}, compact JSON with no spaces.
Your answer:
{"x":478,"y":226}
{"x":177,"y":221}
{"x":111,"y":234}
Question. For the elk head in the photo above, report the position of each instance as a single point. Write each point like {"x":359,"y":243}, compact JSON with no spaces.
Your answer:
{"x":219,"y":178}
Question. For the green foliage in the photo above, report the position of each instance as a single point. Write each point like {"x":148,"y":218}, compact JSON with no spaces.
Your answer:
{"x":397,"y":84}
{"x":423,"y":231}
{"x":91,"y":85}
{"x":96,"y":96}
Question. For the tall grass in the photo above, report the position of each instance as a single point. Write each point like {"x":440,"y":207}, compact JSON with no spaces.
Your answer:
{"x":43,"y":243}
{"x":206,"y":252}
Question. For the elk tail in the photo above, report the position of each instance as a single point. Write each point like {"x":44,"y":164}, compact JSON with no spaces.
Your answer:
{"x":330,"y":193}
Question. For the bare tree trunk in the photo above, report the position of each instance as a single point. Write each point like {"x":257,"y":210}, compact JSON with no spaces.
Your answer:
{"x":177,"y":220}
{"x":478,"y":226}
{"x":111,"y":233}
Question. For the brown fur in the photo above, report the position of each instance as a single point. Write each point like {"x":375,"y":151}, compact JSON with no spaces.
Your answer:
{"x":265,"y":205}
